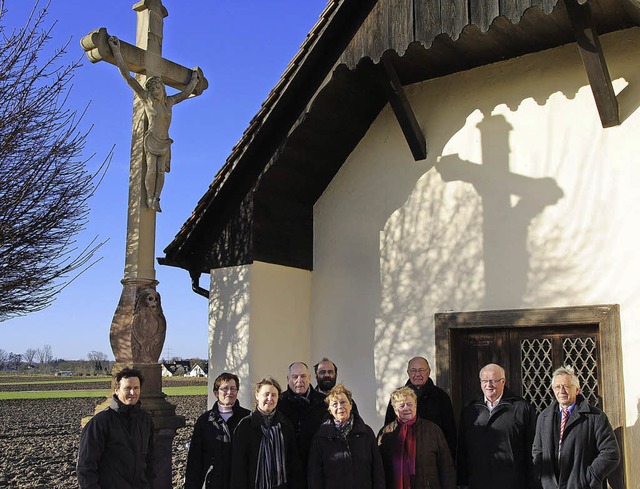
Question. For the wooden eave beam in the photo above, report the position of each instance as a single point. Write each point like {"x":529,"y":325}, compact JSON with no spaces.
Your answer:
{"x":594,"y":61}
{"x":403,"y":111}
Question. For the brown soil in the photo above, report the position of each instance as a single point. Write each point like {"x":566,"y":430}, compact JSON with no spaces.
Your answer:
{"x":39,"y":440}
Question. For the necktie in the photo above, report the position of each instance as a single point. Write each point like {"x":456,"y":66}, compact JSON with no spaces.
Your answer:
{"x":563,"y":424}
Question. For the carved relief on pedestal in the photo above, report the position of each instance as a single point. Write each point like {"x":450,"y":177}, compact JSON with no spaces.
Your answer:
{"x":149,"y":326}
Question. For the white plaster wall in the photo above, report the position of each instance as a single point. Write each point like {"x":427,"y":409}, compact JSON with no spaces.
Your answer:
{"x":258,"y":323}
{"x":280,"y":320}
{"x":524,"y":200}
{"x":229,"y":323}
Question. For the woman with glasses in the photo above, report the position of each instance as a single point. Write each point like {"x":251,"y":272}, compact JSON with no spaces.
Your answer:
{"x":344,"y":453}
{"x":414,"y":450}
{"x":209,"y":459}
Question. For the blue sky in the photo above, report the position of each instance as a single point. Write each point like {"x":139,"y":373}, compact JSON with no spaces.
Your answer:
{"x":243,"y":46}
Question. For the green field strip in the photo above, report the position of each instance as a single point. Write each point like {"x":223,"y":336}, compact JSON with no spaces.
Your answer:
{"x":197,"y":390}
{"x":67,"y":381}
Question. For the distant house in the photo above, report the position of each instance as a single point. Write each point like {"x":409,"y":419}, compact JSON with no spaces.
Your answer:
{"x":177,"y":368}
{"x":166,"y":370}
{"x":197,"y":371}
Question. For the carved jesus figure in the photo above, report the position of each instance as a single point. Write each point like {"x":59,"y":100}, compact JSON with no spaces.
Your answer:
{"x":158,"y":108}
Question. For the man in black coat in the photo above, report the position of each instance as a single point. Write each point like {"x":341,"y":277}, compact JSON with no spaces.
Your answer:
{"x":584,"y":451}
{"x":116,"y":445}
{"x":434,"y":404}
{"x":495,"y":437}
{"x":303,"y":406}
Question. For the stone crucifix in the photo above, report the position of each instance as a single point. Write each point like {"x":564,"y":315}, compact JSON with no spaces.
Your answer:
{"x":138,"y":327}
{"x":150,"y":147}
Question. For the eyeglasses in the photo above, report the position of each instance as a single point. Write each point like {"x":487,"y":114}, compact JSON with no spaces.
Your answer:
{"x":414,"y":371}
{"x":562,"y":387}
{"x":490,"y":381}
{"x":228,"y":389}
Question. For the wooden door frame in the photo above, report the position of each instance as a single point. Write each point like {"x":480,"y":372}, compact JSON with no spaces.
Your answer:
{"x":605,"y":317}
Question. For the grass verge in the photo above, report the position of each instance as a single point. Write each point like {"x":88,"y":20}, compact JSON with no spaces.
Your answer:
{"x":194,"y":390}
{"x":67,"y":381}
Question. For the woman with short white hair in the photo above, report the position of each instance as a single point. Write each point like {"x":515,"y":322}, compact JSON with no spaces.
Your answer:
{"x":414,"y":450}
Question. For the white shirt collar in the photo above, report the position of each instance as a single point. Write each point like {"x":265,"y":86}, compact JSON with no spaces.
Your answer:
{"x":491,"y":405}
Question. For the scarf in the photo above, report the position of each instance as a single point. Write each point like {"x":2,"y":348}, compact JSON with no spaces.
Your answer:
{"x":219,"y":423}
{"x":344,"y":428}
{"x":404,"y":459}
{"x":271,"y":457}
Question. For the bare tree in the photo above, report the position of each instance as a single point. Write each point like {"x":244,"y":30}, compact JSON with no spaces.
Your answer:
{"x":4,"y":359}
{"x":98,"y":360}
{"x":29,"y":355}
{"x":14,"y":360}
{"x":45,"y":355}
{"x":44,"y":182}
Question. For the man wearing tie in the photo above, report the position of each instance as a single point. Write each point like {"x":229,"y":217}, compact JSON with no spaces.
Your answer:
{"x":574,"y":445}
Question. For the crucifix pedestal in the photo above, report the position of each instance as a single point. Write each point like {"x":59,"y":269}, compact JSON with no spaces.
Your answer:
{"x":138,"y":327}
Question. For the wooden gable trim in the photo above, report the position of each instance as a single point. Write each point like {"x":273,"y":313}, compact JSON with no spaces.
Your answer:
{"x":594,"y":61}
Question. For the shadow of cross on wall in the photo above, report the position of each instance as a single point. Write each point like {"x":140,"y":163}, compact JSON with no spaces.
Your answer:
{"x":505,"y":226}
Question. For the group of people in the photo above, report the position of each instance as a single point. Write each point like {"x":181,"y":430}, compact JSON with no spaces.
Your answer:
{"x":306,"y":437}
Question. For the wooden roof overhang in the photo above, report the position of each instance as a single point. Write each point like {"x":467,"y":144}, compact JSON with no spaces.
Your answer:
{"x":260,"y":204}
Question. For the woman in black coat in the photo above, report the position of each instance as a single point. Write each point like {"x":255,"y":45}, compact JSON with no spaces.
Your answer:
{"x":209,"y":459}
{"x":344,"y":452}
{"x":264,"y":451}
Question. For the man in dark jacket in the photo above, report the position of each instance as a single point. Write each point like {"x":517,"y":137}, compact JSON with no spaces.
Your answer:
{"x":116,"y":445}
{"x":303,"y":406}
{"x":434,"y":404}
{"x":495,"y":437}
{"x":578,"y":451}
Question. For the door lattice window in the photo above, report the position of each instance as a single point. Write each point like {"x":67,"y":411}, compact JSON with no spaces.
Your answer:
{"x":581,"y":353}
{"x":536,"y":368}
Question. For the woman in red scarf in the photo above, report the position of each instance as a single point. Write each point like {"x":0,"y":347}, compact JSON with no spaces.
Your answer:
{"x":414,"y":451}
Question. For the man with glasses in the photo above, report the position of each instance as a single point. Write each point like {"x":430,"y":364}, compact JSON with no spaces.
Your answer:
{"x":434,"y":404}
{"x":574,"y":444}
{"x":209,"y":458}
{"x":496,"y":435}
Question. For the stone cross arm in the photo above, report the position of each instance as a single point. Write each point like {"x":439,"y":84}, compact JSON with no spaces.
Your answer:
{"x":96,"y":45}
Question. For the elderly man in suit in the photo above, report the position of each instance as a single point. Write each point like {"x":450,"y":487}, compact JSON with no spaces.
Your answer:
{"x":574,"y":446}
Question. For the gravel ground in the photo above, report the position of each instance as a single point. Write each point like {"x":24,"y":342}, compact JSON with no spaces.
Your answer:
{"x":39,"y":440}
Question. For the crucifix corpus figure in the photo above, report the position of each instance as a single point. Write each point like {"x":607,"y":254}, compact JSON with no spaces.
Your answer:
{"x":157,"y":107}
